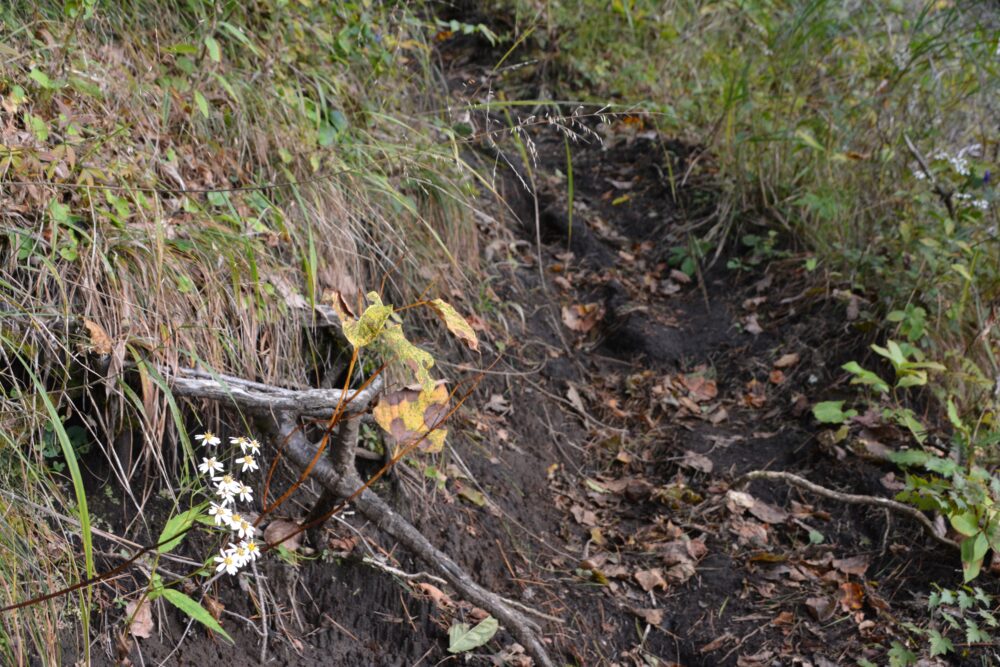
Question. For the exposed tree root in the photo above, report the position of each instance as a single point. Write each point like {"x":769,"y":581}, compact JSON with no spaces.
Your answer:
{"x":891,"y":505}
{"x":336,"y":473}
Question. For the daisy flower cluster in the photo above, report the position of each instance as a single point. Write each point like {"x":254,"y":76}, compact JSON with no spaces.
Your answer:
{"x":242,"y":548}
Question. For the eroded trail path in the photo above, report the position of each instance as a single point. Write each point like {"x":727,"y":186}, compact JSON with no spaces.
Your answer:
{"x":641,"y":385}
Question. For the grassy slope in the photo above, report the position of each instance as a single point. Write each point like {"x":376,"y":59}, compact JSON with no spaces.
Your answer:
{"x":180,"y":182}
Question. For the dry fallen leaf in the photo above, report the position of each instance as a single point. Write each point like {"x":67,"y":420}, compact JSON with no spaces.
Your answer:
{"x":437,"y":596}
{"x":786,"y":360}
{"x":768,"y":513}
{"x":651,"y":616}
{"x":279,"y":529}
{"x":776,"y":377}
{"x":142,"y":618}
{"x":100,"y":342}
{"x":583,"y":516}
{"x":650,"y":579}
{"x":851,"y":596}
{"x":699,"y":387}
{"x":582,"y":317}
{"x":856,"y":565}
{"x":751,"y":325}
{"x":697,"y":461}
{"x":213,"y":606}
{"x":821,"y":608}
{"x":717,"y":643}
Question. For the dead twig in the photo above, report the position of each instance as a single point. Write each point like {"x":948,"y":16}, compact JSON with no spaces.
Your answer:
{"x":853,"y":499}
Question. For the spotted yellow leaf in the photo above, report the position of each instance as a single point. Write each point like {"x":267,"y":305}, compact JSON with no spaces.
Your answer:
{"x":411,"y":413}
{"x":457,"y":325}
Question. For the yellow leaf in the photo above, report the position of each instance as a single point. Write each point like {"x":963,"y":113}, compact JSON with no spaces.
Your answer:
{"x":409,"y":414}
{"x":457,"y":325}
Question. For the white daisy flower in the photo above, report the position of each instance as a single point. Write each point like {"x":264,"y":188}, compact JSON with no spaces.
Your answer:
{"x":247,"y":462}
{"x":239,"y":440}
{"x":239,"y":553}
{"x":243,"y":528}
{"x":251,"y":548}
{"x":226,"y":562}
{"x":208,"y":438}
{"x":245,"y":493}
{"x":226,"y":488}
{"x":252,"y":445}
{"x":221,"y":513}
{"x":210,"y":465}
{"x":226,"y":480}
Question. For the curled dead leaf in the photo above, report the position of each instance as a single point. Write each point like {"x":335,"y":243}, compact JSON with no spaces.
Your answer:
{"x":651,"y":616}
{"x":699,"y":462}
{"x":437,"y":596}
{"x":650,"y":579}
{"x":582,"y":317}
{"x":821,"y":608}
{"x":283,"y":532}
{"x":786,"y":360}
{"x":100,"y":342}
{"x":856,"y":565}
{"x":142,"y":618}
{"x":852,"y":596}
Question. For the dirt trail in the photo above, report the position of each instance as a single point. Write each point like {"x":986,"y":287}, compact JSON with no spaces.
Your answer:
{"x":590,"y":479}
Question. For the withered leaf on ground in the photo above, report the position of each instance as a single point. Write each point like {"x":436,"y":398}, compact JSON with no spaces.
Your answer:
{"x":279,"y":529}
{"x":856,"y":565}
{"x":142,"y":618}
{"x":583,"y":516}
{"x":582,"y":317}
{"x":786,"y":360}
{"x":851,"y":596}
{"x":821,"y":608}
{"x":717,"y":643}
{"x":650,"y":579}
{"x":437,"y":596}
{"x":651,"y":616}
{"x":699,"y":462}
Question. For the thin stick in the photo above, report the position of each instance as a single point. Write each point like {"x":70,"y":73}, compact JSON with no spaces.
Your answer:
{"x":891,"y":505}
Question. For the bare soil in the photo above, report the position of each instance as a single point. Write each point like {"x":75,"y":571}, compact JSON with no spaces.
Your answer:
{"x":629,"y":398}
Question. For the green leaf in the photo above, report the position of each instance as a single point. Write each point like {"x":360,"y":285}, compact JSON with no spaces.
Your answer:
{"x":214,"y":52}
{"x":940,"y":645}
{"x":973,"y":551}
{"x":202,"y":103}
{"x":900,"y":656}
{"x":953,"y":417}
{"x":966,"y":523}
{"x":194,"y":610}
{"x":42,"y":79}
{"x":58,"y":212}
{"x":38,"y":126}
{"x":175,"y":529}
{"x":461,"y":638}
{"x":832,"y":412}
{"x":909,"y":457}
{"x":973,"y":634}
{"x":473,"y":496}
{"x":862,"y":376}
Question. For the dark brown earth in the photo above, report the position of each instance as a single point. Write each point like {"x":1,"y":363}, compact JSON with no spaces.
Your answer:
{"x":604,"y":450}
